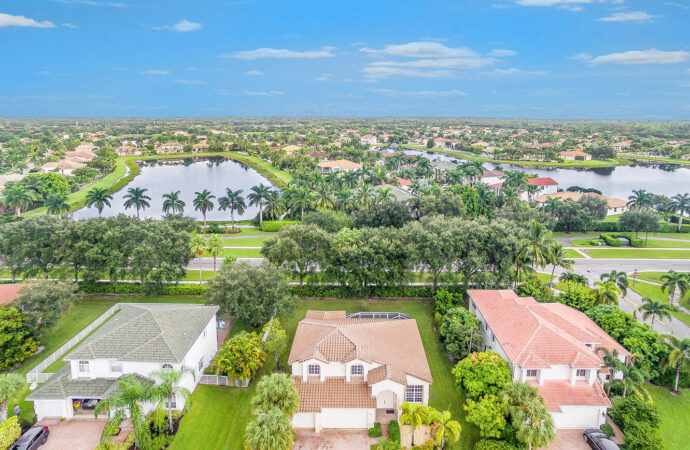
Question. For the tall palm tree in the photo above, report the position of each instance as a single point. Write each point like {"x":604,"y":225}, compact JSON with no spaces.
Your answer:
{"x":198,"y":247}
{"x":678,"y":358}
{"x":443,"y":428}
{"x":258,"y":196}
{"x":172,"y":201}
{"x":529,"y":414}
{"x":19,"y":198}
{"x":607,"y":293}
{"x":516,"y":179}
{"x":301,"y":198}
{"x":128,"y":399}
{"x":414,"y":415}
{"x":323,"y":200}
{"x":633,"y":379}
{"x":137,"y":197}
{"x":384,"y":195}
{"x":10,"y":385}
{"x":574,"y":278}
{"x":274,"y":204}
{"x":522,"y":267}
{"x":552,"y":206}
{"x":673,"y":281}
{"x":215,"y":247}
{"x":655,"y":308}
{"x":640,"y":199}
{"x":204,"y":202}
{"x":680,"y":204}
{"x":57,"y":204}
{"x":343,"y":200}
{"x":269,"y":430}
{"x":233,"y":201}
{"x":556,"y":257}
{"x":99,"y":197}
{"x":535,"y":243}
{"x":364,"y":195}
{"x":167,"y":388}
{"x":619,"y":278}
{"x":612,"y":362}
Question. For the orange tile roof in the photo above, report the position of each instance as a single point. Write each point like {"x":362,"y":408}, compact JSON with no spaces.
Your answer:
{"x":547,"y":181}
{"x":333,"y":393}
{"x":574,"y":153}
{"x":611,"y":202}
{"x":557,"y":393}
{"x":9,"y":292}
{"x":341,"y":163}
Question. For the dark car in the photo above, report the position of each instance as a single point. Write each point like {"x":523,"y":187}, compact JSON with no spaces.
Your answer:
{"x":33,"y":438}
{"x":89,"y":404}
{"x":598,"y":440}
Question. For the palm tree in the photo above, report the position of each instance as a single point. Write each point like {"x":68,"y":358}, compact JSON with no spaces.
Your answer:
{"x":414,"y":415}
{"x":215,"y":247}
{"x":444,"y":427}
{"x":301,"y":198}
{"x":137,"y":197}
{"x":633,"y":378}
{"x":323,"y":200}
{"x":536,"y":243}
{"x":364,"y":195}
{"x":655,"y":308}
{"x":556,"y":257}
{"x":552,"y":206}
{"x":257,"y":196}
{"x":387,"y":444}
{"x":167,"y":389}
{"x":343,"y":200}
{"x":679,"y":357}
{"x":607,"y":294}
{"x":522,"y":267}
{"x":574,"y":278}
{"x":612,"y":362}
{"x":198,"y":247}
{"x":269,"y":430}
{"x":10,"y":385}
{"x":99,"y":197}
{"x":274,"y":204}
{"x":515,"y":179}
{"x":619,"y":278}
{"x":674,"y":280}
{"x":172,"y":201}
{"x":233,"y":201}
{"x":640,"y":199}
{"x":204,"y":202}
{"x":681,"y":204}
{"x":384,"y":195}
{"x":127,"y":400}
{"x":533,"y":422}
{"x":57,"y":204}
{"x":19,"y":198}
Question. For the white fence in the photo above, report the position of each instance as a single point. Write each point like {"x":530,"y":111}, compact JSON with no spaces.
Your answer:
{"x":36,"y":375}
{"x":222,"y":380}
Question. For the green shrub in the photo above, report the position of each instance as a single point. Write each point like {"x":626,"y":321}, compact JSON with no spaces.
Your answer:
{"x":331,"y":291}
{"x":277,"y":225}
{"x":608,"y":429}
{"x":375,"y":431}
{"x":492,"y":444}
{"x":129,"y":442}
{"x":610,"y":240}
{"x":9,"y":432}
{"x":138,"y":288}
{"x":444,"y":300}
{"x":394,"y":431}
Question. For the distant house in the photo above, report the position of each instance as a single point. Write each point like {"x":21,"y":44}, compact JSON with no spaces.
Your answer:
{"x":552,"y":347}
{"x":64,"y":166}
{"x":351,"y":372}
{"x":368,"y":139}
{"x":315,"y":154}
{"x":544,"y":185}
{"x":200,"y":147}
{"x":290,"y":149}
{"x":338,"y":165}
{"x":575,"y":155}
{"x":169,"y":148}
{"x":83,"y":155}
{"x":620,"y":146}
{"x":615,"y":205}
{"x":491,"y":177}
{"x":128,"y":150}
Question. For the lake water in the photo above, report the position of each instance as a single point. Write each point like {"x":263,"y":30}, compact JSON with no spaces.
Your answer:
{"x":619,"y":181}
{"x":188,"y":176}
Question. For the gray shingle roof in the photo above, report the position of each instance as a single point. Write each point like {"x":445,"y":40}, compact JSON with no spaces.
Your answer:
{"x":147,"y":332}
{"x":62,"y":385}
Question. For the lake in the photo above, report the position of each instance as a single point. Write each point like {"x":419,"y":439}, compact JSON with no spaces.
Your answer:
{"x":187,"y":175}
{"x":619,"y":181}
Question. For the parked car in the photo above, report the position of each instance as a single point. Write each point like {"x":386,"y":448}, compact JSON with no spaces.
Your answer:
{"x":33,"y":438}
{"x":89,"y":404}
{"x":598,"y":440}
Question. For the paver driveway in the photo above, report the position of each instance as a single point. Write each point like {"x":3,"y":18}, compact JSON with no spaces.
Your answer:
{"x":82,"y":433}
{"x":332,"y":439}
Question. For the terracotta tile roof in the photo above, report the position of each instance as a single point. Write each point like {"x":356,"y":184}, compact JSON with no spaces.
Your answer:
{"x":536,"y":335}
{"x":574,"y":153}
{"x":386,"y":373}
{"x":557,"y":393}
{"x":328,"y":336}
{"x":9,"y":292}
{"x":493,"y":173}
{"x":341,"y":163}
{"x":542,"y":181}
{"x":611,"y":202}
{"x":333,"y":393}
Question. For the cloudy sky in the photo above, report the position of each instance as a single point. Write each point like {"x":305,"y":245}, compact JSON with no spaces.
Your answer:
{"x":627,"y":59}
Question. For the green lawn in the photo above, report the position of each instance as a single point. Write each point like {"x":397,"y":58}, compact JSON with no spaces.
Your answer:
{"x":244,"y":231}
{"x":220,"y":414}
{"x":627,"y":253}
{"x":570,"y":253}
{"x":613,"y":218}
{"x":651,"y":276}
{"x":651,"y":243}
{"x":653,"y":158}
{"x":247,"y":242}
{"x":653,"y":291}
{"x":673,"y":416}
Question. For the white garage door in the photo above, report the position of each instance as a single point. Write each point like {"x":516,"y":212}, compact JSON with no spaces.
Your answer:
{"x":344,"y":418}
{"x":303,"y":420}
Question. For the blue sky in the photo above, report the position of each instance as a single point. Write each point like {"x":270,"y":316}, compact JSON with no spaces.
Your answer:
{"x":627,"y":59}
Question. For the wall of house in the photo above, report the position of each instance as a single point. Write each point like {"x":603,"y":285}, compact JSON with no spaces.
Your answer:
{"x":53,"y":408}
{"x":579,"y":416}
{"x":303,"y":420}
{"x":204,"y":349}
{"x":348,"y":418}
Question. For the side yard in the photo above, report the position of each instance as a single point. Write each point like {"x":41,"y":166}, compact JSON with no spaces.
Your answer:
{"x":674,"y":416}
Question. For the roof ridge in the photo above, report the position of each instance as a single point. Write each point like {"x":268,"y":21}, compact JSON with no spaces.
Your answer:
{"x":160,"y":333}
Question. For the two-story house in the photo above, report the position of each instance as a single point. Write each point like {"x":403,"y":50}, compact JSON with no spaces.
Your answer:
{"x":139,"y":339}
{"x":352,"y":371}
{"x":553,"y":347}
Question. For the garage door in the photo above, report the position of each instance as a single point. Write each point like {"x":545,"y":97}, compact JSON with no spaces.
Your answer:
{"x":303,"y":420}
{"x":344,"y":418}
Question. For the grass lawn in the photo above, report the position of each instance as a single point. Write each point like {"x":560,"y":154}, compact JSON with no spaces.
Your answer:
{"x":651,"y":276}
{"x":570,"y":253}
{"x":249,"y":242}
{"x":651,"y":243}
{"x":653,"y":158}
{"x":653,"y":291}
{"x":627,"y":253}
{"x":673,"y":414}
{"x":244,"y":231}
{"x":613,"y":218}
{"x":220,"y":414}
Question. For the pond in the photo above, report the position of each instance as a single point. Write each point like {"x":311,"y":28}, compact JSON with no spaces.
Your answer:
{"x":188,"y":175}
{"x":619,"y":181}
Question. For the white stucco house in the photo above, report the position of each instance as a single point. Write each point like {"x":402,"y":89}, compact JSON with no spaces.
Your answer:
{"x":552,"y":347}
{"x":353,"y":371}
{"x":139,"y":339}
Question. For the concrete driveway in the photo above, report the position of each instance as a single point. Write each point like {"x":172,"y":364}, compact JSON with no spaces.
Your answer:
{"x":332,"y":439}
{"x":78,"y":433}
{"x":569,"y":439}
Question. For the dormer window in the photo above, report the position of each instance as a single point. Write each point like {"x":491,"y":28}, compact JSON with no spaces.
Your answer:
{"x":314,"y":369}
{"x":357,"y":370}
{"x":532,"y":373}
{"x":83,"y":367}
{"x":582,"y":373}
{"x":590,"y":346}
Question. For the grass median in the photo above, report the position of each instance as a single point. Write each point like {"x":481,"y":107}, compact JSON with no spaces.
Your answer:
{"x":655,"y":292}
{"x":625,"y":253}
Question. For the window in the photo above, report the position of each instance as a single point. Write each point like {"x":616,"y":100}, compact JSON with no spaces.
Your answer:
{"x":115,"y":367}
{"x":589,"y":345}
{"x":314,"y":369}
{"x":414,"y":393}
{"x":532,"y":373}
{"x":201,"y":363}
{"x":357,"y":370}
{"x":204,"y":332}
{"x":167,"y":366}
{"x":174,"y":404}
{"x":83,"y":367}
{"x":582,"y":373}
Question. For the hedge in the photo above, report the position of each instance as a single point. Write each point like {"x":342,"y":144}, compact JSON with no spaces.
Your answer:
{"x":491,"y":444}
{"x":664,"y":227}
{"x":276,"y":225}
{"x":138,"y":288}
{"x":394,"y":431}
{"x":335,"y":291}
{"x":376,"y":431}
{"x":613,"y":239}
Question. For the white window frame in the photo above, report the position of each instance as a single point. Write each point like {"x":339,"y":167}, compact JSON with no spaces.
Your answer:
{"x":174,"y":403}
{"x":585,"y":373}
{"x":116,"y":364}
{"x":201,"y":363}
{"x":532,"y":377}
{"x":414,"y":393}
{"x":313,"y":369}
{"x":84,"y":367}
{"x":359,"y":369}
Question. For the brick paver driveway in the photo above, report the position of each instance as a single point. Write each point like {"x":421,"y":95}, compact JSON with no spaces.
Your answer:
{"x":78,"y":433}
{"x":569,"y":439}
{"x":332,"y":439}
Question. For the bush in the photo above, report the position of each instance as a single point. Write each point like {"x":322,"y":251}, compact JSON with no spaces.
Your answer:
{"x":375,"y":431}
{"x":394,"y":431}
{"x":213,"y":229}
{"x":138,"y":288}
{"x":610,"y":240}
{"x":537,"y":289}
{"x":332,"y":291}
{"x":613,"y":239}
{"x":492,"y":444}
{"x":9,"y":432}
{"x":129,"y":442}
{"x":444,"y":300}
{"x":277,"y":225}
{"x":608,"y":429}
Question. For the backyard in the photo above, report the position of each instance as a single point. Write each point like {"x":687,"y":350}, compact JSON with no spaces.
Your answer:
{"x":673,"y":414}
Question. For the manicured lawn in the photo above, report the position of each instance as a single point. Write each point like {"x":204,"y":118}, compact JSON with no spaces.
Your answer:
{"x":653,"y":158}
{"x":673,"y":414}
{"x":651,"y":276}
{"x":653,"y":291}
{"x":244,"y":231}
{"x":193,"y":275}
{"x":220,"y":414}
{"x":238,"y":253}
{"x":570,"y":253}
{"x":627,"y":253}
{"x":651,"y":243}
{"x":612,"y":218}
{"x":684,"y":236}
{"x":248,"y":242}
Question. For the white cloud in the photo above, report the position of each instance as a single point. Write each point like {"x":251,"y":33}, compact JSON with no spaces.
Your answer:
{"x":155,"y":72}
{"x":183,"y":25}
{"x":188,"y":81}
{"x":325,"y":77}
{"x":516,"y":71}
{"x":7,"y":20}
{"x":425,"y":93}
{"x":377,"y":72}
{"x":325,"y":52}
{"x":629,"y":16}
{"x":651,"y":56}
{"x":423,"y":50}
{"x":502,"y":53}
{"x":448,"y":63}
{"x":581,"y":57}
{"x":264,"y":93}
{"x":68,"y":25}
{"x":254,"y":73}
